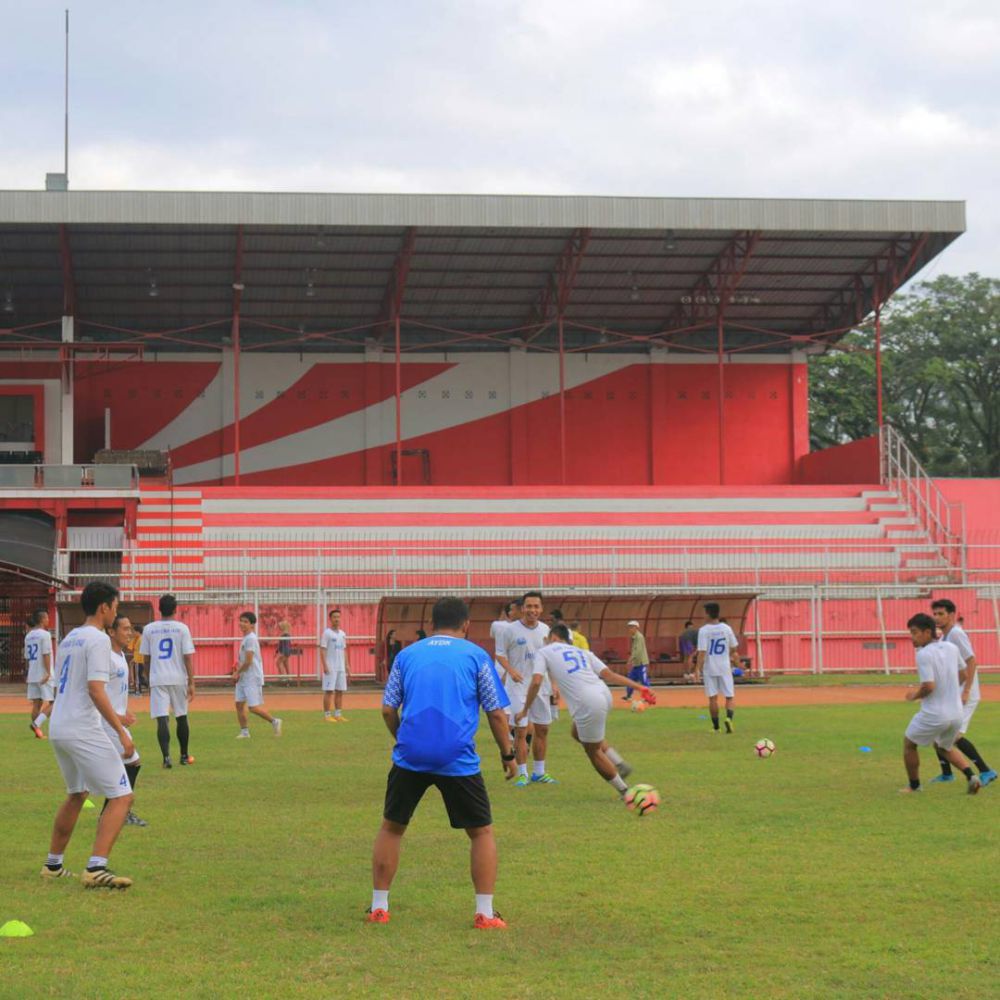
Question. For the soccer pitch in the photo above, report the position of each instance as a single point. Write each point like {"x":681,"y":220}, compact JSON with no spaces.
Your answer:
{"x":805,"y":875}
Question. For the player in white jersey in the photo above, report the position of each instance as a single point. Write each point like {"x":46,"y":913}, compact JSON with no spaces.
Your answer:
{"x":946,"y":618}
{"x":248,"y":674}
{"x":518,"y":643}
{"x":511,"y":613}
{"x":581,"y":677}
{"x":939,"y":721}
{"x":120,"y":634}
{"x":86,"y":757}
{"x":167,"y":647}
{"x":716,"y":651}
{"x":334,"y":667}
{"x":38,"y":656}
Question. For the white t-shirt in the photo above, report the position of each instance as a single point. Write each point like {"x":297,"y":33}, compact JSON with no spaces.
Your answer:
{"x":38,"y":643}
{"x":576,"y":671}
{"x":715,"y":641}
{"x":255,"y":672}
{"x":958,"y":637}
{"x":519,"y":644}
{"x":334,"y":646}
{"x":164,"y":645}
{"x":495,"y":629}
{"x":117,"y":686}
{"x":940,"y":662}
{"x":84,"y":655}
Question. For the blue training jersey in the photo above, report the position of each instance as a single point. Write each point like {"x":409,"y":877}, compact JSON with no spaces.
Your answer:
{"x":441,"y":683}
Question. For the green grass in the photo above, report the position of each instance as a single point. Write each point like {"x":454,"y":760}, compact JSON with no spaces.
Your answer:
{"x":805,"y":875}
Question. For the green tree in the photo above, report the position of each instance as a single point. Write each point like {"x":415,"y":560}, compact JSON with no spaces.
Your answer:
{"x":940,"y":372}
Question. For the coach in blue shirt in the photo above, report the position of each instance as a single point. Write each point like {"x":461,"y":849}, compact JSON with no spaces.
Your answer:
{"x":442,"y":682}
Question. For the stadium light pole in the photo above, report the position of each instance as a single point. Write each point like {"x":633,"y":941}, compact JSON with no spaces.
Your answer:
{"x":399,"y":404}
{"x":720,"y":330}
{"x":878,"y":359}
{"x":562,"y":403}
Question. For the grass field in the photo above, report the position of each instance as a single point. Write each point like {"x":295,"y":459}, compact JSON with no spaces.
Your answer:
{"x":805,"y":875}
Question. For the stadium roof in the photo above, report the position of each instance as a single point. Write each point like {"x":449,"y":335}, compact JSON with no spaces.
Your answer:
{"x":167,"y":270}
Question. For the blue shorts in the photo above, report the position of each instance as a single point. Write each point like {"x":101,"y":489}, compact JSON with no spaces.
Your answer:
{"x":640,"y":674}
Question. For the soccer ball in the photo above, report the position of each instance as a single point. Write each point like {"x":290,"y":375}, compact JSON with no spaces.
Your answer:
{"x":764,"y":748}
{"x":642,"y":799}
{"x":638,"y":705}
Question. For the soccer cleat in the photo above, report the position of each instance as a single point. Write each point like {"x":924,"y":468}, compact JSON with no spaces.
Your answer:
{"x":186,"y":759}
{"x":276,"y":726}
{"x":242,"y":736}
{"x":51,"y":874}
{"x":379,"y":916}
{"x":985,"y":777}
{"x":132,"y":820}
{"x":543,"y":779}
{"x":974,"y":784}
{"x":910,"y":791}
{"x":521,"y":781}
{"x":340,"y":718}
{"x":485,"y":923}
{"x":37,"y":730}
{"x":941,"y":778}
{"x":329,"y":718}
{"x":167,"y":763}
{"x":729,"y":725}
{"x":104,"y":878}
{"x":624,"y":769}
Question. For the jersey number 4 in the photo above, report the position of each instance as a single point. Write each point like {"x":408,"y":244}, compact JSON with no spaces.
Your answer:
{"x":166,"y":647}
{"x":718,"y":647}
{"x":64,"y":674}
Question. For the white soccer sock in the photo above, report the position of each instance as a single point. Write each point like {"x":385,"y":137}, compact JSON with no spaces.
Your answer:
{"x":245,"y":730}
{"x":54,"y":861}
{"x":40,"y":721}
{"x":484,"y":904}
{"x":97,"y":862}
{"x":336,"y":712}
{"x":618,"y":784}
{"x":539,"y":767}
{"x":614,"y":756}
{"x":328,"y":713}
{"x":380,"y":900}
{"x":522,"y":769}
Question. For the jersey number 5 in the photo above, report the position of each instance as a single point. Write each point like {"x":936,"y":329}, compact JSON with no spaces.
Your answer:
{"x":573,"y":657}
{"x":166,"y":647}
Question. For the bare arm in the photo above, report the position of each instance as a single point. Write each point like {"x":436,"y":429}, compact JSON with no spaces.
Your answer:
{"x":970,"y":676}
{"x":189,"y":667}
{"x":245,"y":664}
{"x":610,"y":677}
{"x":699,"y":660}
{"x":390,"y":716}
{"x":500,"y":727}
{"x":508,"y":670}
{"x":922,"y":692}
{"x":47,"y":666}
{"x":99,"y":696}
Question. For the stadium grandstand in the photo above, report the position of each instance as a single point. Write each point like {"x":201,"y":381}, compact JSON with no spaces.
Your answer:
{"x":291,"y":401}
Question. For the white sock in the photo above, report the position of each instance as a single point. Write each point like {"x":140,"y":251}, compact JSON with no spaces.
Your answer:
{"x":328,"y":714}
{"x":618,"y":784}
{"x":484,"y":904}
{"x":522,"y":769}
{"x":539,"y":767}
{"x":245,"y":730}
{"x":97,"y":862}
{"x":614,"y":756}
{"x":40,"y":721}
{"x":380,"y":900}
{"x":336,"y":712}
{"x":54,"y":861}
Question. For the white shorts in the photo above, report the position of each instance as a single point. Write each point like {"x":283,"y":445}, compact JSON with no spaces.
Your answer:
{"x":92,"y":764}
{"x":925,"y":730}
{"x":167,"y":698}
{"x":968,"y":709}
{"x":718,"y":685}
{"x":252,"y":692}
{"x":113,"y":736}
{"x":591,"y":719}
{"x":41,"y":692}
{"x":540,"y":712}
{"x":336,"y":681}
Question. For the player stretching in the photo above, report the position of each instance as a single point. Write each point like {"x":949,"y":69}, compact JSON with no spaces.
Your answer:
{"x":38,"y":655}
{"x":120,"y":634}
{"x":939,"y":721}
{"x":581,"y":677}
{"x":248,"y":673}
{"x":716,"y":647}
{"x":333,"y":659}
{"x":168,"y":649}
{"x":516,"y":648}
{"x":86,"y":758}
{"x":945,"y":617}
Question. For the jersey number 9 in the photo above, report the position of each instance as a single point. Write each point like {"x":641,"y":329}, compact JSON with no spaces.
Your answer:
{"x":166,"y":647}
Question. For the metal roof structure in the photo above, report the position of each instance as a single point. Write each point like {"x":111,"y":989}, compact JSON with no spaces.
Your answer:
{"x":191,"y":270}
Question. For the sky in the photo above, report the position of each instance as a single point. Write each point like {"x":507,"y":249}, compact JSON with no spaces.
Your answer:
{"x":770,"y":98}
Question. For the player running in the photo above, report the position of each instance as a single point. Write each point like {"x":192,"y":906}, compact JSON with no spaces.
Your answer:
{"x":716,"y":649}
{"x":939,"y":721}
{"x":333,"y":660}
{"x":38,"y":656}
{"x":946,"y":618}
{"x":581,"y":677}
{"x":86,"y":757}
{"x":167,"y":647}
{"x":248,"y":673}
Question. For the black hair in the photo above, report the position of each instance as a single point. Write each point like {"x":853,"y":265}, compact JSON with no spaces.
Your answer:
{"x":558,"y":615}
{"x":96,"y":593}
{"x":531,"y":593}
{"x":118,"y":620}
{"x":511,"y":604}
{"x":943,"y":602}
{"x":449,"y":613}
{"x":560,"y":630}
{"x":168,"y":605}
{"x":250,"y":617}
{"x":922,"y":621}
{"x":688,"y":624}
{"x":333,"y":611}
{"x":712,"y":609}
{"x":35,"y":618}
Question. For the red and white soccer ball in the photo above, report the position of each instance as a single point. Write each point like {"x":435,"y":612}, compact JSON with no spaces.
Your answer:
{"x":638,"y":705}
{"x":642,"y":800}
{"x":764,"y":748}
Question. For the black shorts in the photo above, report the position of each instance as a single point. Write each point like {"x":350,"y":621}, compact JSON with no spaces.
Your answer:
{"x":465,"y":798}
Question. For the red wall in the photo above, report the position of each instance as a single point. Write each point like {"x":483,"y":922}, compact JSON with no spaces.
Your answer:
{"x":854,"y":462}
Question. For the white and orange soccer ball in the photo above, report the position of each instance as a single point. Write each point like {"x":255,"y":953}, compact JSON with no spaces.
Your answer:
{"x":764,"y":748}
{"x":638,"y":705}
{"x":642,"y":800}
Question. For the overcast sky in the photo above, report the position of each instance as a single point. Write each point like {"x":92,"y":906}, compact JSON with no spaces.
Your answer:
{"x":776,"y":98}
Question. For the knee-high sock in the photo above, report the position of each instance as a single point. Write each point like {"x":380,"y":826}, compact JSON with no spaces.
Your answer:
{"x":132,"y":770}
{"x":163,"y":734}
{"x":182,"y":734}
{"x":972,"y":753}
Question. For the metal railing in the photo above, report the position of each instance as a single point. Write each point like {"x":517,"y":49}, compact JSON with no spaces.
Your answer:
{"x":69,"y":477}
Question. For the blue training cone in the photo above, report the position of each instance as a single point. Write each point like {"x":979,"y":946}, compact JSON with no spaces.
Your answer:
{"x":865,"y":749}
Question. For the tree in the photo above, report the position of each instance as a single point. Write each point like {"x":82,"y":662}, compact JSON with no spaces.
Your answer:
{"x":940,"y":373}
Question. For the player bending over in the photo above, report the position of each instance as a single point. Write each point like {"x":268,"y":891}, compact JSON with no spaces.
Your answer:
{"x":38,"y":656}
{"x":581,"y":677}
{"x":939,"y":721}
{"x":248,"y":673}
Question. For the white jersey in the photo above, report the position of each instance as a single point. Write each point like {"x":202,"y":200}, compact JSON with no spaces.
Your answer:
{"x":38,"y":643}
{"x":83,"y":656}
{"x":255,"y":672}
{"x":164,"y":645}
{"x":519,"y":644}
{"x":117,"y":686}
{"x":576,"y":671}
{"x":715,"y":641}
{"x":958,"y":637}
{"x":495,"y":629}
{"x":940,"y":662}
{"x":334,"y":646}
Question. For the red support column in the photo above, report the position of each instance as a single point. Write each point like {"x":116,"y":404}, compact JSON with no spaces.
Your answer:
{"x":562,"y":404}
{"x":399,"y":407}
{"x":722,"y":403}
